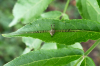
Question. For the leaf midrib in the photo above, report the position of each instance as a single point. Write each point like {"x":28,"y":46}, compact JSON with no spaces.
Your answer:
{"x":68,"y":30}
{"x":48,"y":31}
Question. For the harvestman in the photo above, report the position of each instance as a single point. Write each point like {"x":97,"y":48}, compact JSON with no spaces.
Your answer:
{"x":52,"y":31}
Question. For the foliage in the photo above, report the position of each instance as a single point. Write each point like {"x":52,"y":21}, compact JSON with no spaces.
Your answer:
{"x":98,"y":2}
{"x":47,"y":57}
{"x":58,"y":48}
{"x":89,"y":9}
{"x":26,"y":10}
{"x":87,"y":62}
{"x":78,"y":29}
{"x":9,"y":48}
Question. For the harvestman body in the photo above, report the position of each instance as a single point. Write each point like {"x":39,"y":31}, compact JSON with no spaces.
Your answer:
{"x":52,"y":31}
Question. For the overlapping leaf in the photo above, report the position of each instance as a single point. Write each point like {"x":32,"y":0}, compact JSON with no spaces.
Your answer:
{"x":89,"y":9}
{"x":54,"y":15}
{"x":67,"y":32}
{"x":87,"y":62}
{"x":47,"y":57}
{"x":51,"y":14}
{"x":26,"y":10}
{"x":36,"y":44}
{"x":98,"y":3}
{"x":32,"y":43}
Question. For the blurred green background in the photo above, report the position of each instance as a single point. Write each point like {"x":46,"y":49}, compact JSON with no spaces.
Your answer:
{"x":11,"y":48}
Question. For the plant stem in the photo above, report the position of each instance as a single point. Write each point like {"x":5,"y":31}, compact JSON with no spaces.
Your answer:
{"x":80,"y":59}
{"x":88,"y":51}
{"x":92,"y":47}
{"x":66,"y":6}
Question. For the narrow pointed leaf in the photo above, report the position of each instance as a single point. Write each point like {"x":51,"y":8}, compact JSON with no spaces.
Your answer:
{"x":87,"y":62}
{"x":47,"y":57}
{"x":67,"y":32}
{"x":26,"y":10}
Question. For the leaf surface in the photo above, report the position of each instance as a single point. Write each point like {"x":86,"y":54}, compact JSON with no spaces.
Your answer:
{"x":51,"y":14}
{"x":32,"y":43}
{"x":98,"y":3}
{"x":54,"y":15}
{"x":36,"y":44}
{"x":87,"y":62}
{"x":89,"y":9}
{"x":27,"y":10}
{"x":47,"y":57}
{"x":66,"y":32}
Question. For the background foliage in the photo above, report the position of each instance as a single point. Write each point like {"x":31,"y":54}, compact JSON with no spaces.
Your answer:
{"x":16,"y":48}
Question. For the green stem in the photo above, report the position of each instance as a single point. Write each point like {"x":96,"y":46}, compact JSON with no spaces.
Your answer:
{"x":66,"y":6}
{"x":88,"y":51}
{"x":92,"y":47}
{"x":80,"y":59}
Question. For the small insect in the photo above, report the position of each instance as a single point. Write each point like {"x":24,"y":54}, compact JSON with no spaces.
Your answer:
{"x":52,"y":31}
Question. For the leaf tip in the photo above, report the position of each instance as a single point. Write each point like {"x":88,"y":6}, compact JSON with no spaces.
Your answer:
{"x":3,"y":34}
{"x":11,"y":24}
{"x":14,"y":22}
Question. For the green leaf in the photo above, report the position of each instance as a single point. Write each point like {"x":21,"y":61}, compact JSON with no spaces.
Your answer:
{"x":87,"y":62}
{"x":72,"y":63}
{"x":27,"y":50}
{"x":36,"y":44}
{"x":27,"y":10}
{"x":67,"y":32}
{"x":54,"y":15}
{"x":28,"y":41}
{"x":89,"y":9}
{"x":48,"y":46}
{"x":64,"y":16}
{"x":98,"y":3}
{"x":51,"y":14}
{"x":76,"y":45}
{"x":47,"y":57}
{"x":32,"y":43}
